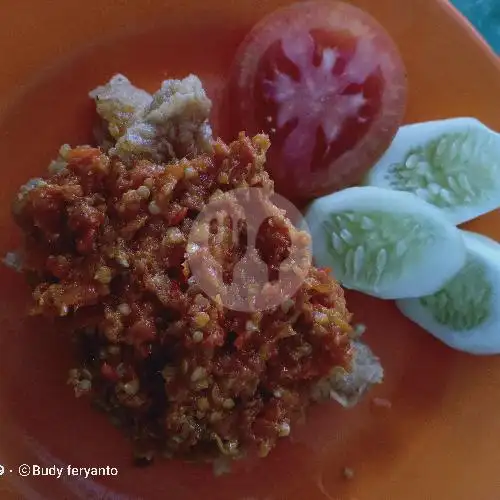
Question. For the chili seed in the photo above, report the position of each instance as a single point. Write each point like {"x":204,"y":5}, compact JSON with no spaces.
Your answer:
{"x":284,"y":429}
{"x":153,"y":208}
{"x":124,"y":309}
{"x":103,"y":275}
{"x":203,"y":404}
{"x":201,"y":319}
{"x":197,"y":336}
{"x":131,"y":387}
{"x":84,"y":385}
{"x":228,"y":404}
{"x":113,"y":350}
{"x":250,"y":326}
{"x":143,"y":192}
{"x":199,"y":373}
{"x":173,"y":236}
{"x":320,"y":318}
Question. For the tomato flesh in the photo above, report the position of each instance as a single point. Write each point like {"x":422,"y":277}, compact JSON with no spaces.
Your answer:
{"x":315,"y":117}
{"x":329,"y":91}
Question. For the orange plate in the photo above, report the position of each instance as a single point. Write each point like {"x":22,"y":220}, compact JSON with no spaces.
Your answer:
{"x":439,"y":440}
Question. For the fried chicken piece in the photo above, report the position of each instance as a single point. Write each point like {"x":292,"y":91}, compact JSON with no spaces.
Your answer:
{"x":120,"y":104}
{"x":170,"y":124}
{"x":347,"y":388}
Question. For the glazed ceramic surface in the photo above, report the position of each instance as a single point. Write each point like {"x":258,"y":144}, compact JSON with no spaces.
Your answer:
{"x":439,"y":441}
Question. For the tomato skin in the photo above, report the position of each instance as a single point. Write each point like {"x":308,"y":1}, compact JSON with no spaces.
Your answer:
{"x":314,"y":151}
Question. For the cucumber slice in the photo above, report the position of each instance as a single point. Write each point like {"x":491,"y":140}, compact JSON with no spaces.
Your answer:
{"x":389,"y":244}
{"x":465,"y":313}
{"x":453,"y":164}
{"x":493,"y":244}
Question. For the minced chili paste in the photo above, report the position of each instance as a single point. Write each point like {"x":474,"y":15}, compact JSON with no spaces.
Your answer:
{"x":105,"y":244}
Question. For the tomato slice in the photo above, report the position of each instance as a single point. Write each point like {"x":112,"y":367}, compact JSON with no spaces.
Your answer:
{"x":327,"y":83}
